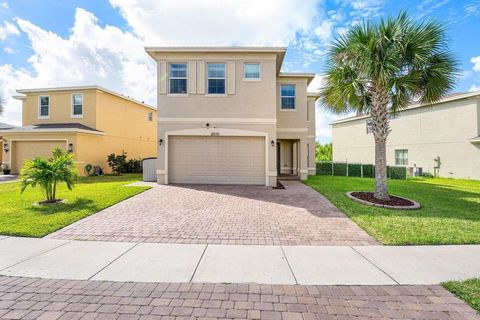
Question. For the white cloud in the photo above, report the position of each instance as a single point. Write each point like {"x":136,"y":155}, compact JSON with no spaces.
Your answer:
{"x":91,"y":54}
{"x":4,"y":5}
{"x":8,"y":50}
{"x":211,"y":22}
{"x":474,"y":87}
{"x":324,"y":30}
{"x":476,"y":63}
{"x":8,"y":29}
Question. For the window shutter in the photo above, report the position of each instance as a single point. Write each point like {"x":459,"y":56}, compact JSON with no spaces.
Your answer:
{"x":162,"y":77}
{"x":192,"y":77}
{"x":201,"y":77}
{"x":231,"y":77}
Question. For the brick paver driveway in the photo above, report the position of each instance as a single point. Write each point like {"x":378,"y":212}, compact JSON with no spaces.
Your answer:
{"x":26,"y":298}
{"x":297,"y":215}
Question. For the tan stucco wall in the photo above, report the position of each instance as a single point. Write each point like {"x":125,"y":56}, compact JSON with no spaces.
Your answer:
{"x":60,"y":108}
{"x":12,"y":137}
{"x":442,"y":130}
{"x":251,"y":99}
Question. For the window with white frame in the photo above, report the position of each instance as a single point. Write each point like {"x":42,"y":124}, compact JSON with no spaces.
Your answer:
{"x":77,"y":105}
{"x":287,"y":93}
{"x":401,"y":157}
{"x":178,"y":78}
{"x":216,"y":78}
{"x":43,"y":106}
{"x":251,"y":71}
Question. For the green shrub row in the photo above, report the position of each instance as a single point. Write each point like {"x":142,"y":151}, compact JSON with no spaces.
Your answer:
{"x":356,"y":170}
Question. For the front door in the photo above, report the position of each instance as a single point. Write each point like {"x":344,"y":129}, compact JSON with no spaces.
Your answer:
{"x":278,"y":158}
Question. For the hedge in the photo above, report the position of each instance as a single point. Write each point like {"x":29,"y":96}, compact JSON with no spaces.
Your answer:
{"x":357,"y":169}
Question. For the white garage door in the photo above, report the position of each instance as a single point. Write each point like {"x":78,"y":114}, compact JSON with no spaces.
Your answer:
{"x":216,"y":160}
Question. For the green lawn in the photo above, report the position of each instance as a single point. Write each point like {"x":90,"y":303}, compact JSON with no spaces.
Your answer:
{"x":450,"y":212}
{"x":468,"y":290}
{"x":20,"y":216}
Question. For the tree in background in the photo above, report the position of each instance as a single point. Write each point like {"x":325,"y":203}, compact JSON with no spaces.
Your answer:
{"x":323,"y":152}
{"x":2,"y":105}
{"x":382,"y":67}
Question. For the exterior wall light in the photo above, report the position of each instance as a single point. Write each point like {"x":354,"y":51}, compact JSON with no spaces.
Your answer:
{"x":160,"y":142}
{"x":6,"y":147}
{"x":272,"y":143}
{"x":70,"y":147}
{"x":207,"y":125}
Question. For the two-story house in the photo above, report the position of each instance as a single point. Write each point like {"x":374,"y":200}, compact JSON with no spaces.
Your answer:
{"x":228,"y":115}
{"x":89,"y":121}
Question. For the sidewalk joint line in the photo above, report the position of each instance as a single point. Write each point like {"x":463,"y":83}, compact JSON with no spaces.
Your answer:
{"x":36,"y":255}
{"x":198,"y":263}
{"x":108,"y":264}
{"x":381,"y":270}
{"x":289,"y":266}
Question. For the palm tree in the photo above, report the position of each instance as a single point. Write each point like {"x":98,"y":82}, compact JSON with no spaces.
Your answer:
{"x":60,"y":168}
{"x":380,"y":68}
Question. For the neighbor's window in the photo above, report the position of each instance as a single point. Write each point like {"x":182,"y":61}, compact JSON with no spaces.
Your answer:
{"x":251,"y":71}
{"x":150,"y":116}
{"x":216,"y":78}
{"x":178,"y":78}
{"x":287,"y":92}
{"x":44,"y":106}
{"x":77,"y":104}
{"x":401,"y":157}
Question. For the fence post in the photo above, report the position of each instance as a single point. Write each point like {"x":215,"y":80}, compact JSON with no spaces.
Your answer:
{"x":332,"y":167}
{"x":361,"y":170}
{"x":347,"y":166}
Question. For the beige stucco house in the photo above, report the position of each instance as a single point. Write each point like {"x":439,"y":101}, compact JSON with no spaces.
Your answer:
{"x":228,"y":115}
{"x":89,"y":121}
{"x":422,"y":136}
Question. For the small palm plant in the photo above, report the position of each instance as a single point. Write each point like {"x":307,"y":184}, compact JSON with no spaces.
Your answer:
{"x":380,"y":68}
{"x":47,"y":173}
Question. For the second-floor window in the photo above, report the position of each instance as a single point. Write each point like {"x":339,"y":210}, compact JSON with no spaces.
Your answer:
{"x":43,"y":106}
{"x":251,"y":71}
{"x":216,"y":78}
{"x":77,"y":105}
{"x":287,"y":93}
{"x":401,"y":157}
{"x":178,"y":78}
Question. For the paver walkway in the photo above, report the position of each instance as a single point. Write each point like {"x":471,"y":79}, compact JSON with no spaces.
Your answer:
{"x":297,"y":215}
{"x":26,"y":298}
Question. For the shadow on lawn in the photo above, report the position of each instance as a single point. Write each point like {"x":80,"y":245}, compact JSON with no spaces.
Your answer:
{"x":78,"y":204}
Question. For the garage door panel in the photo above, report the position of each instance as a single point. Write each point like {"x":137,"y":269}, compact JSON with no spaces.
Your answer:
{"x":29,"y":149}
{"x":217,"y":160}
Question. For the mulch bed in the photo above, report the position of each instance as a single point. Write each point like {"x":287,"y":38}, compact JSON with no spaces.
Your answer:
{"x":394,"y":201}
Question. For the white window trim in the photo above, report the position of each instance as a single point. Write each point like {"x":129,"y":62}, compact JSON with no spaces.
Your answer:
{"x":259,"y":72}
{"x":207,"y":94}
{"x":39,"y":116}
{"x":71,"y":107}
{"x":169,"y":94}
{"x":294,"y":98}
{"x":395,"y":158}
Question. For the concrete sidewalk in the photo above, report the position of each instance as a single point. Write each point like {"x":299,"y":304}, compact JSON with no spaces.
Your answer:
{"x":199,"y":263}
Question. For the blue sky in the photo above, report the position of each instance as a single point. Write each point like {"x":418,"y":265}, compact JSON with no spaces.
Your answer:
{"x":74,"y":42}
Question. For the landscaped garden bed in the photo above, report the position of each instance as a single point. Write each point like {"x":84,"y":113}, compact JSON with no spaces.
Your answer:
{"x":450,"y":212}
{"x":20,"y":214}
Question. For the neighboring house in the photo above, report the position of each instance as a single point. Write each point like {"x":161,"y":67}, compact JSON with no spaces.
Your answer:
{"x":89,"y":121}
{"x":442,"y":139}
{"x":3,"y":126}
{"x":227,"y":115}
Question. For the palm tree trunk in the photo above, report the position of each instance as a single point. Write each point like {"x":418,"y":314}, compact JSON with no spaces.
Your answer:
{"x":381,"y":188}
{"x":54,"y":190}
{"x":380,"y":129}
